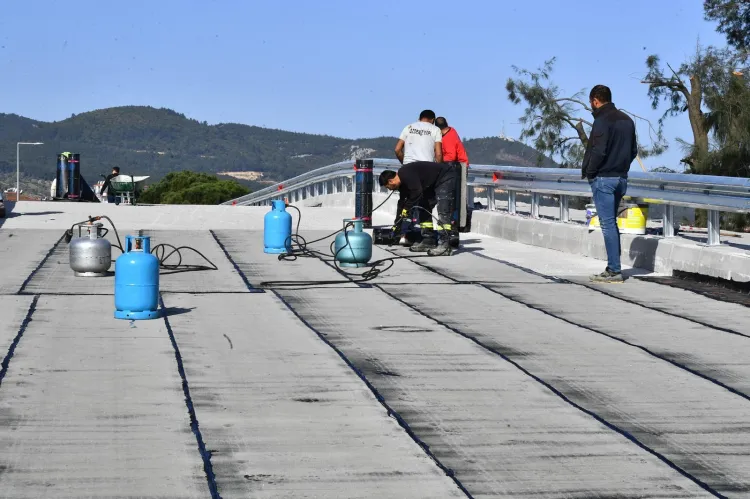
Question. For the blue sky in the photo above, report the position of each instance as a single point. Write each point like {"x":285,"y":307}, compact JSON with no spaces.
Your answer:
{"x":336,"y":67}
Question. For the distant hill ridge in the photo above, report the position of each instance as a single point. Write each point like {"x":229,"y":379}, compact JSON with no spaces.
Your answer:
{"x":150,"y":141}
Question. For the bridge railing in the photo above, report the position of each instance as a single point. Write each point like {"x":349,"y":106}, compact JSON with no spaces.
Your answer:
{"x":712,"y":193}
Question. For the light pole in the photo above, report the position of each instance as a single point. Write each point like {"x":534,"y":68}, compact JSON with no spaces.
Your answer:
{"x":18,"y":166}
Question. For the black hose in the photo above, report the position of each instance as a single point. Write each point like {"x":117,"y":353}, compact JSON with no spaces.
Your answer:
{"x":298,"y":249}
{"x":160,"y":251}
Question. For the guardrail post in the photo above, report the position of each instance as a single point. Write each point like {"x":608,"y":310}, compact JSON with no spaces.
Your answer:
{"x":512,"y":202}
{"x":491,"y":197}
{"x":564,"y":210}
{"x":534,"y":205}
{"x":668,"y":221}
{"x":714,"y":228}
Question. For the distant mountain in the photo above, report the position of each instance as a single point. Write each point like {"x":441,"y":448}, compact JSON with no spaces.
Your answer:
{"x":150,"y":141}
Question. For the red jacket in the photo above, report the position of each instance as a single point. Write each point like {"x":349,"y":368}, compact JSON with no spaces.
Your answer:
{"x":453,"y":149}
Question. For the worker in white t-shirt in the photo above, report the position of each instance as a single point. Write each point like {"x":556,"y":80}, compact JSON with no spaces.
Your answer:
{"x":420,"y":141}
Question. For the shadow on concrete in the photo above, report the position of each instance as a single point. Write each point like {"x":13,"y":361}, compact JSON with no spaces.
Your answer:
{"x":171,"y":311}
{"x":10,"y":212}
{"x":642,"y":253}
{"x":635,"y":272}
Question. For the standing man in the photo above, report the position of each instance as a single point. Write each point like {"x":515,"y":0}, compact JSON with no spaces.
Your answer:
{"x":111,"y":198}
{"x":420,"y":141}
{"x":453,"y":149}
{"x":611,"y":148}
{"x":454,"y":152}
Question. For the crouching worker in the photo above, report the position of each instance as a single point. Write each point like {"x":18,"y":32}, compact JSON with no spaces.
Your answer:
{"x":422,"y":185}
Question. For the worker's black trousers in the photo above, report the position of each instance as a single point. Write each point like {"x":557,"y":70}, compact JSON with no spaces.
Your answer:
{"x":442,"y":195}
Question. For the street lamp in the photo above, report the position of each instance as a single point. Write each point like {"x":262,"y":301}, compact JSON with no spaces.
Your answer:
{"x":18,"y":166}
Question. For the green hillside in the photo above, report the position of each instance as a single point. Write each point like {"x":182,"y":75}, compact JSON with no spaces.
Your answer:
{"x":150,"y":141}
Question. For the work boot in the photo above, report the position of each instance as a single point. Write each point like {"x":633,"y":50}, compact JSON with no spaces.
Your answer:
{"x":427,"y":243}
{"x":608,"y":277}
{"x":443,"y":248}
{"x":455,"y":239}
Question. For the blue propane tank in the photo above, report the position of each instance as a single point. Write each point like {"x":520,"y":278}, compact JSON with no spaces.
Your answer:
{"x":353,"y":248}
{"x":137,"y":281}
{"x":277,"y":229}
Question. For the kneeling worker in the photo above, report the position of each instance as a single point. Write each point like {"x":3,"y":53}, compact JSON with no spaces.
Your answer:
{"x":422,"y":185}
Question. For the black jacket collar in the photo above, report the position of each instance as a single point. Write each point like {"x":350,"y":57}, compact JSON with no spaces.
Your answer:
{"x":609,"y":106}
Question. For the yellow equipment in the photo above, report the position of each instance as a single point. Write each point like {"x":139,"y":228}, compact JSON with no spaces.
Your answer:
{"x":631,"y":218}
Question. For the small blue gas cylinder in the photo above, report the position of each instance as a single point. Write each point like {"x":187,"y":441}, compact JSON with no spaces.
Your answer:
{"x":137,"y":281}
{"x":353,"y":248}
{"x":277,"y":229}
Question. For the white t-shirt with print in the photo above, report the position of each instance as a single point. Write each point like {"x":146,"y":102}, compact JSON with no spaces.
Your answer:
{"x":419,"y":141}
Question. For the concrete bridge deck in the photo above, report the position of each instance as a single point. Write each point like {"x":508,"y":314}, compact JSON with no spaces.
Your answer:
{"x":497,"y":372}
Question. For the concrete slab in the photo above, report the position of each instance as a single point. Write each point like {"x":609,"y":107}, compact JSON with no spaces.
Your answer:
{"x":685,"y":418}
{"x":501,"y":432}
{"x":283,"y":414}
{"x":93,"y":407}
{"x":21,"y":252}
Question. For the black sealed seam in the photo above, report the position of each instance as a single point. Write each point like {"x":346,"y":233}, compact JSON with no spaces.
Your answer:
{"x":205,"y":454}
{"x":17,"y":339}
{"x":41,"y":264}
{"x":236,"y":267}
{"x":391,"y":412}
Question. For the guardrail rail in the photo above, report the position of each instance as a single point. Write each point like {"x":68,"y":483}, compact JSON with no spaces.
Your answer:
{"x":712,"y":193}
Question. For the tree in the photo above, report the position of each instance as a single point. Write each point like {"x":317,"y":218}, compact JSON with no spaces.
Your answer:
{"x":733,"y":17}
{"x":701,"y":79}
{"x":188,"y":187}
{"x":553,"y":122}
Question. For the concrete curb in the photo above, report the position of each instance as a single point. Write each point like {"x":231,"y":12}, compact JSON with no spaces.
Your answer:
{"x":646,"y":252}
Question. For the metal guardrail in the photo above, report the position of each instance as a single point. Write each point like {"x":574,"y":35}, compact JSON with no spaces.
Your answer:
{"x":712,"y":193}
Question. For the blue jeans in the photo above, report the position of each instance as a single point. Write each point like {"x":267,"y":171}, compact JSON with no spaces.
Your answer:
{"x":608,"y":192}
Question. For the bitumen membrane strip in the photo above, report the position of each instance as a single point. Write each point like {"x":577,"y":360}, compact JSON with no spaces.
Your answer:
{"x":194,"y":426}
{"x":598,"y":289}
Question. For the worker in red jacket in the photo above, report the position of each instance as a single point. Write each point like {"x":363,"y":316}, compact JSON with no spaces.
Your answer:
{"x":454,"y":152}
{"x":453,"y":149}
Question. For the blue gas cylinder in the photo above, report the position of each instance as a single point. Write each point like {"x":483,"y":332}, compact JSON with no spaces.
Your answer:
{"x":277,"y":229}
{"x":353,"y":248}
{"x":137,"y":280}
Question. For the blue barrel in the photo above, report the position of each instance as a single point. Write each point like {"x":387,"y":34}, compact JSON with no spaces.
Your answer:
{"x":61,"y":188}
{"x":277,"y":229}
{"x":353,"y":248}
{"x":137,"y":281}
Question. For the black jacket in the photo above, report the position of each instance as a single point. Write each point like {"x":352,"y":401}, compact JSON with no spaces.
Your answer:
{"x":612,"y":145}
{"x":417,"y":179}
{"x":108,"y":182}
